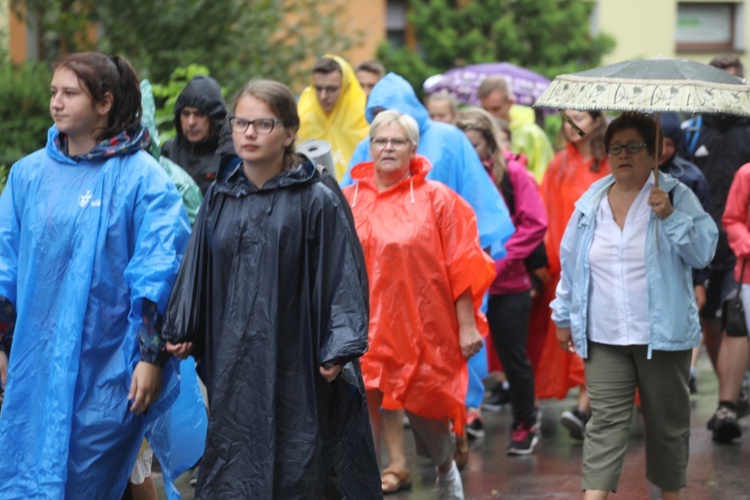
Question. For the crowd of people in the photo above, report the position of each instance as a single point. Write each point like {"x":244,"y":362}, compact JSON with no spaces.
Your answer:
{"x":451,"y":261}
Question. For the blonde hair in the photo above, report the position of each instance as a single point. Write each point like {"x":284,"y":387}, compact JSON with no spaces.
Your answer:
{"x":408,"y":123}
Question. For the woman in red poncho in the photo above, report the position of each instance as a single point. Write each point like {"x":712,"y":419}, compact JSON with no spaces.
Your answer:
{"x":427,"y":276}
{"x":570,"y":173}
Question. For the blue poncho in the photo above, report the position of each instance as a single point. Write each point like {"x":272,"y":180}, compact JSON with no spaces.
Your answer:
{"x":454,"y":161}
{"x":82,"y":244}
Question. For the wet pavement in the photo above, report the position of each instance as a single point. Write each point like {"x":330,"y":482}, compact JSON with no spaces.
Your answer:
{"x":715,"y":472}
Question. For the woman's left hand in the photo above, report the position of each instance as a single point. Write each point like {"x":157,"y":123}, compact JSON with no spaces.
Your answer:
{"x":145,"y":386}
{"x":660,"y":204}
{"x":331,"y":373}
{"x":470,"y":341}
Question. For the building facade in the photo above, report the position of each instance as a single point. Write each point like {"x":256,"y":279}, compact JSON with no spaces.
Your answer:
{"x":692,"y":29}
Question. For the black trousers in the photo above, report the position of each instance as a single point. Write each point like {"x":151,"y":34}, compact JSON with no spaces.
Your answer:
{"x":508,"y":316}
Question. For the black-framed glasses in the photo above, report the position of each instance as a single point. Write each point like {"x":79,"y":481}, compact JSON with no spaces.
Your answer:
{"x":262,"y":126}
{"x":631,"y":147}
{"x":382,"y":142}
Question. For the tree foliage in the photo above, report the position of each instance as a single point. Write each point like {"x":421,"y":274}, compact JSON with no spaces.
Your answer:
{"x":235,"y":39}
{"x":24,"y":109}
{"x":547,"y":36}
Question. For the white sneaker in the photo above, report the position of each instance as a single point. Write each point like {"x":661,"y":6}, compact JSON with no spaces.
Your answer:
{"x":449,"y":485}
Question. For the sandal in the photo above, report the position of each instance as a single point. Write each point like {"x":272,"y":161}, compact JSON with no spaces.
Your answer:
{"x":394,"y":480}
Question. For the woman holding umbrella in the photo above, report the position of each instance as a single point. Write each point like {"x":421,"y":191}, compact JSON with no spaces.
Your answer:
{"x":625,"y":304}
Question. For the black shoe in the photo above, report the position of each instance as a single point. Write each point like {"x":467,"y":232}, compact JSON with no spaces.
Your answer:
{"x":524,"y":440}
{"x":498,"y":397}
{"x":725,"y":427}
{"x":474,"y":425}
{"x":575,"y":421}
{"x":692,"y":384}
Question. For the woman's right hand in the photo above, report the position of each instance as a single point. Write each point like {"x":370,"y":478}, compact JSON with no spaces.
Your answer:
{"x":181,"y":351}
{"x":565,"y":337}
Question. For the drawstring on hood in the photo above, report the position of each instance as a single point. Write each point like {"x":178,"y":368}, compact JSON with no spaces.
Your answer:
{"x":356,"y":192}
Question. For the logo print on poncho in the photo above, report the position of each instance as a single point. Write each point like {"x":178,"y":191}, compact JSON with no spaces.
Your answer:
{"x":84,"y":199}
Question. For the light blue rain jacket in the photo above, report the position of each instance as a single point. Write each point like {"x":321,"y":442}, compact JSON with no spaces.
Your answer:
{"x":82,"y":244}
{"x":684,"y":240}
{"x":454,"y":161}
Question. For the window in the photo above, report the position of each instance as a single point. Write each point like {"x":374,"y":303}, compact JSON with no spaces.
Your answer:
{"x":395,"y":22}
{"x":709,"y":26}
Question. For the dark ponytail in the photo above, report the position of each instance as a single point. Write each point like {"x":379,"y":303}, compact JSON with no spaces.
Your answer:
{"x":99,"y":74}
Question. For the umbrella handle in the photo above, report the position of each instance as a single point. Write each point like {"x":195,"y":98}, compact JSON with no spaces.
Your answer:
{"x":566,"y":118}
{"x":658,"y":138}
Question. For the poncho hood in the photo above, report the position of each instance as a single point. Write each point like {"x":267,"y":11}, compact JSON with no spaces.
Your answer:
{"x":125,"y":143}
{"x":236,"y":184}
{"x":204,"y":94}
{"x":419,"y":167}
{"x":393,"y":92}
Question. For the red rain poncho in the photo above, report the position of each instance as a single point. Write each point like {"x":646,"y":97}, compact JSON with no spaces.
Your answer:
{"x":422,"y":252}
{"x":566,"y":179}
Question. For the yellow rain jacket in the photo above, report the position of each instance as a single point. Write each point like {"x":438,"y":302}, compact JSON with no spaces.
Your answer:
{"x":344,"y":127}
{"x":528,"y":138}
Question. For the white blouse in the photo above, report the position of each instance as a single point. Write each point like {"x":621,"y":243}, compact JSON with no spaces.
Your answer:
{"x":618,"y":312}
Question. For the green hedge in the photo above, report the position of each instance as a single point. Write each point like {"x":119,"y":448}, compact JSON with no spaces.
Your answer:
{"x":4,"y":171}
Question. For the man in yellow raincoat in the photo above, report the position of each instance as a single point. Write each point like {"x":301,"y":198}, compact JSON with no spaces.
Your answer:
{"x":332,"y":109}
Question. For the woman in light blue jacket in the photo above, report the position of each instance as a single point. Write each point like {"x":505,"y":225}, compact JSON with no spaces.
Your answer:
{"x":625,"y":304}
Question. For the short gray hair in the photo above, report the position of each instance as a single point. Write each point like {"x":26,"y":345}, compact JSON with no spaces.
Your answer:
{"x":387,"y":117}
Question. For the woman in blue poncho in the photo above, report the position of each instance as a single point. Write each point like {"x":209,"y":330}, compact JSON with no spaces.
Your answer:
{"x":91,"y":234}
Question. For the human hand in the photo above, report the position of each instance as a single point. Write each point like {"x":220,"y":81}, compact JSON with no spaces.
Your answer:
{"x":565,"y":337}
{"x":470,"y":341}
{"x":659,"y":202}
{"x":145,"y":386}
{"x":181,"y":351}
{"x":543,"y":274}
{"x":331,"y":373}
{"x":700,"y":296}
{"x":3,"y":369}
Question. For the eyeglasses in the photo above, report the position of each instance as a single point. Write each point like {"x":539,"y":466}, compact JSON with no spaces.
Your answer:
{"x":382,"y":142}
{"x":631,"y":147}
{"x":331,"y":89}
{"x":262,"y":126}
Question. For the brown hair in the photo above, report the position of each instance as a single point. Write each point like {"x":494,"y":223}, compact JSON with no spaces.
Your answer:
{"x":99,"y":74}
{"x":326,"y":65}
{"x":373,"y":66}
{"x":729,"y":61}
{"x":596,"y":138}
{"x":492,"y":84}
{"x":481,"y":121}
{"x":283,"y":104}
{"x":640,"y":122}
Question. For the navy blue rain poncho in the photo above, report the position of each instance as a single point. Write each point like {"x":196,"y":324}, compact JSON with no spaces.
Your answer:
{"x":82,"y":245}
{"x":454,"y":161}
{"x":268,"y":292}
